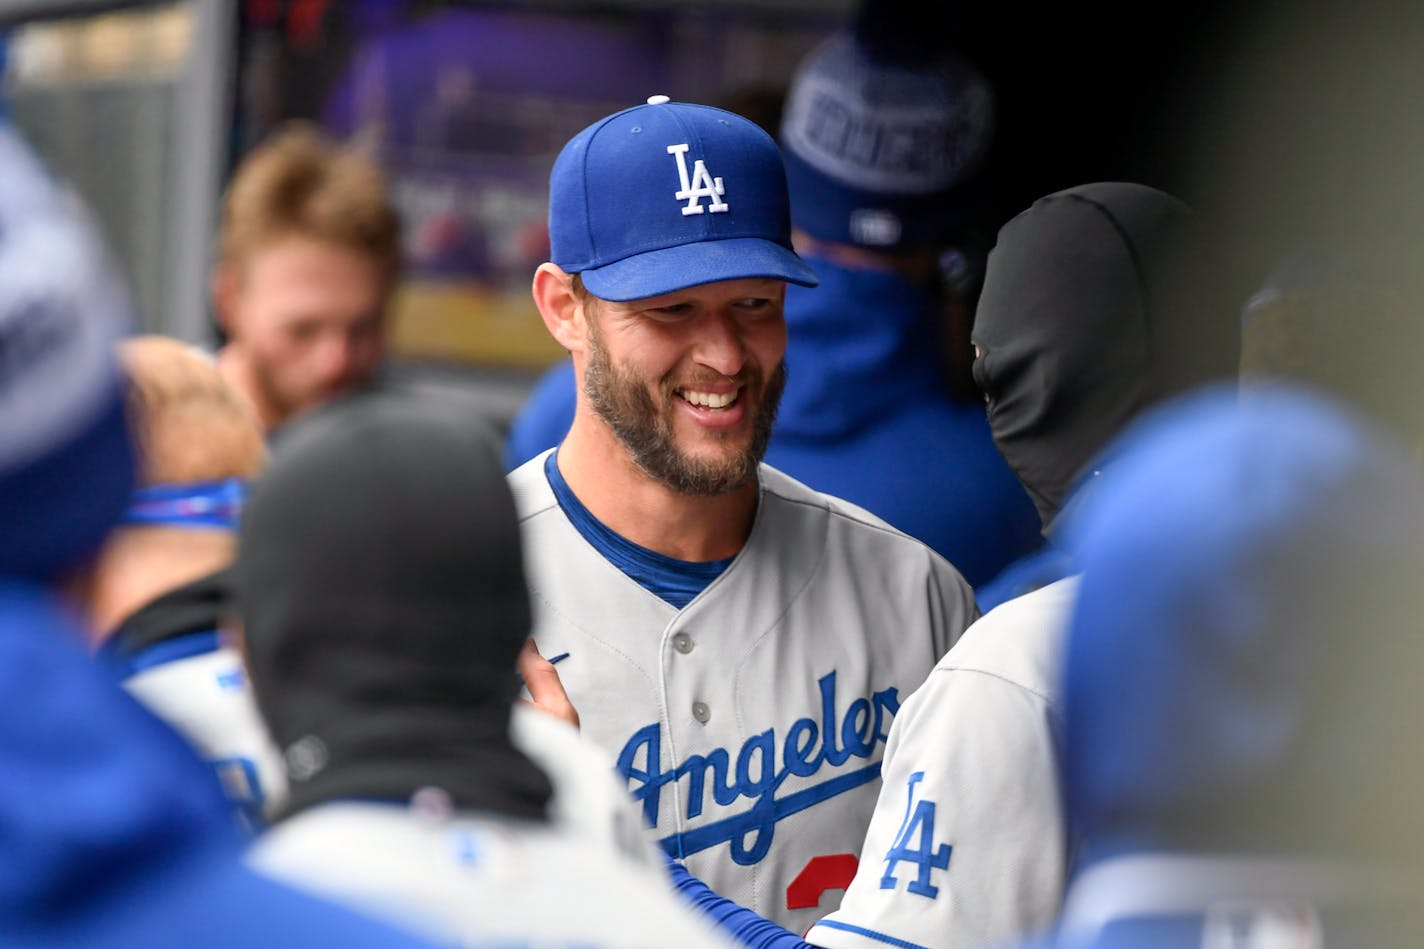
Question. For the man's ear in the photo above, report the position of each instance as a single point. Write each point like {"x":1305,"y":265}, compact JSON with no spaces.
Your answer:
{"x":560,"y":308}
{"x":224,"y":287}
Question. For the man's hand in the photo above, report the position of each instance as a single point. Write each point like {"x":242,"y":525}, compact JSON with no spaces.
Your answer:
{"x":546,"y":692}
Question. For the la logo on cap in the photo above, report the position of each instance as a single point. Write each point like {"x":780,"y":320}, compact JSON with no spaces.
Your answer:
{"x":702,"y":184}
{"x":619,"y":216}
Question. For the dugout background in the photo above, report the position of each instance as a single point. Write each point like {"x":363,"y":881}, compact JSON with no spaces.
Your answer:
{"x":1276,"y":120}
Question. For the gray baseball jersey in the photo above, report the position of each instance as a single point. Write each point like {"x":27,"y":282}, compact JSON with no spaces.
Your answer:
{"x":479,"y":882}
{"x":968,"y":845}
{"x":207,"y":699}
{"x":749,"y":724}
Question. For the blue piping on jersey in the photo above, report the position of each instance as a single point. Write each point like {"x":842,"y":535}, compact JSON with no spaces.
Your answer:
{"x":674,"y":581}
{"x":732,"y":829}
{"x":169,"y":650}
{"x":869,"y":934}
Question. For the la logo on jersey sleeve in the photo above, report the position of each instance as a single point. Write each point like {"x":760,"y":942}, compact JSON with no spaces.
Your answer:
{"x":700,"y":185}
{"x":915,"y":845}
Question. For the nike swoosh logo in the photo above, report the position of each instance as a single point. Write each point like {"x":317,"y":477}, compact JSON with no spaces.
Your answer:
{"x":559,"y":658}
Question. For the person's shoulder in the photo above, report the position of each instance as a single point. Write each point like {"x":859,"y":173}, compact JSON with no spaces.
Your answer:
{"x":530,"y":487}
{"x":869,"y":536}
{"x":337,"y":841}
{"x":332,"y":821}
{"x":25,"y":605}
{"x":1019,"y":641}
{"x":216,"y":900}
{"x":780,"y":488}
{"x":557,"y":747}
{"x":589,"y":800}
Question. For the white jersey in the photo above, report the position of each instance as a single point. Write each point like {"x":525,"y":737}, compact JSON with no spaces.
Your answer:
{"x":588,"y":800}
{"x":207,"y":699}
{"x":479,"y":881}
{"x":750,"y":724}
{"x":968,"y":845}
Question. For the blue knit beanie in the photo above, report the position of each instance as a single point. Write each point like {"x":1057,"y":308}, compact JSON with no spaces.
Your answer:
{"x":66,"y":462}
{"x":875,"y":142}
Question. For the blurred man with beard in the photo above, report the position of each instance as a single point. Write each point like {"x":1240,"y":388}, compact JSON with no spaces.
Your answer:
{"x":736,"y":642}
{"x":310,"y":250}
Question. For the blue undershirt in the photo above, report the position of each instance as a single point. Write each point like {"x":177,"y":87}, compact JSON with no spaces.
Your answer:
{"x":675,"y":581}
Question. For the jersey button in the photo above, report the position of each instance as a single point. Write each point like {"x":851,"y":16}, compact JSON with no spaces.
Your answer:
{"x":701,"y":712}
{"x":683,"y":643}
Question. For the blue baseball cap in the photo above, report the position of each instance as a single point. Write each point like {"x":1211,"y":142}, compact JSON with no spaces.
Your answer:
{"x":670,"y":195}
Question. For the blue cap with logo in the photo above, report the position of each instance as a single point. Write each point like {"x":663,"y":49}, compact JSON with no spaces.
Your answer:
{"x":669,"y":195}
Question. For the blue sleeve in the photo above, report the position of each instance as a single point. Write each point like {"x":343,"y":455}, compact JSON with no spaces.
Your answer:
{"x":545,"y":417}
{"x":1046,"y":565}
{"x":740,"y":923}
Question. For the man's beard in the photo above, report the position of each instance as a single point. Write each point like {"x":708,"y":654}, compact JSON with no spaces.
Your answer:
{"x":623,"y":402}
{"x":288,"y":404}
{"x":283,"y":404}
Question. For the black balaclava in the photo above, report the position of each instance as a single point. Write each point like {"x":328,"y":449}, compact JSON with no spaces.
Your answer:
{"x":381,"y":586}
{"x":1098,"y":301}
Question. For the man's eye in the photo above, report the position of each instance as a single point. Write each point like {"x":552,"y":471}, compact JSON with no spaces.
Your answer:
{"x":302,"y":332}
{"x":754,"y":303}
{"x":673,"y":309}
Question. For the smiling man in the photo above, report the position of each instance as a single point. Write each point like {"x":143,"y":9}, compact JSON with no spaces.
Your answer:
{"x":310,"y":251}
{"x":737,"y":642}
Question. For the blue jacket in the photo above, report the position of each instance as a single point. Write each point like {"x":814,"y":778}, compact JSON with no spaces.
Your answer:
{"x":111,"y":832}
{"x":865,"y":417}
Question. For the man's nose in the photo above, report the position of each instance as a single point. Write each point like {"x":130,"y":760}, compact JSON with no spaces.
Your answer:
{"x":720,"y":345}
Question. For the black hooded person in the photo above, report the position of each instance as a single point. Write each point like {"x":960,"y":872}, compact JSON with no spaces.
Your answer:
{"x":380,"y":582}
{"x":1103,"y":300}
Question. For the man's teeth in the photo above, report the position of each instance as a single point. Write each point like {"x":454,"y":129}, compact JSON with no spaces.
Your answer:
{"x":709,"y":400}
